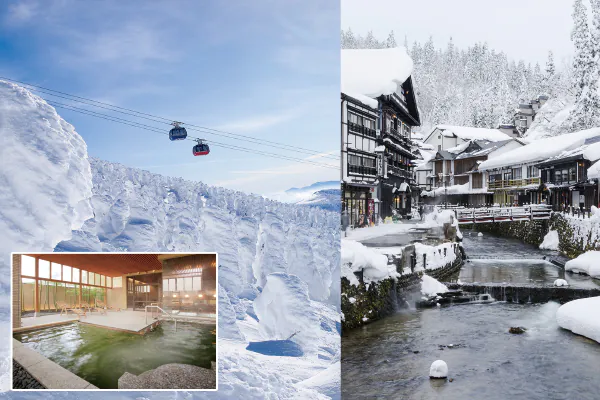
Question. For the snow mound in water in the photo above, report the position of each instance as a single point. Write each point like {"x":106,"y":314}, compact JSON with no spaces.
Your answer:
{"x":586,"y":263}
{"x":45,"y":180}
{"x":439,"y":369}
{"x":284,"y":311}
{"x":480,"y":234}
{"x":561,"y":282}
{"x":431,"y":286}
{"x":550,"y":241}
{"x":581,"y":316}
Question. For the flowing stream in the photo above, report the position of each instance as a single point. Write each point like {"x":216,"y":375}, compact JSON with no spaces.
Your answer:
{"x":390,"y":358}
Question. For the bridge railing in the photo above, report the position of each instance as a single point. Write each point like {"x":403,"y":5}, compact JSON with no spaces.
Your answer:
{"x":503,"y":214}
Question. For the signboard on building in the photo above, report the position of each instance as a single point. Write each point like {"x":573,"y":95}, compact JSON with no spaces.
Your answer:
{"x":380,"y":164}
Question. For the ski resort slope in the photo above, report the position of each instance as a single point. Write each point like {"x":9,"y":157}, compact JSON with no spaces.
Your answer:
{"x":278,"y":263}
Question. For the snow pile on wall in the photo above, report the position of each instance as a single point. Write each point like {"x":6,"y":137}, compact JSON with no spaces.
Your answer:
{"x":370,"y":73}
{"x":431,"y":286}
{"x":470,"y":133}
{"x":581,"y":316}
{"x":45,"y":180}
{"x":587,"y":263}
{"x":435,"y":256}
{"x":357,"y":257}
{"x":550,"y":241}
{"x":540,"y":150}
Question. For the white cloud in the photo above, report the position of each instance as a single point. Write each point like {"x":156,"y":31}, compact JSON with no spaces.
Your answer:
{"x":257,"y":123}
{"x":21,"y":12}
{"x":277,"y":179}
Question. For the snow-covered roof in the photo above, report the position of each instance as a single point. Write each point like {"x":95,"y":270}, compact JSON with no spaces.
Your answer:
{"x":540,"y":150}
{"x":594,"y":171}
{"x":469,"y":133}
{"x":484,"y":147}
{"x":370,"y":73}
{"x":417,"y":136}
{"x":426,"y":158}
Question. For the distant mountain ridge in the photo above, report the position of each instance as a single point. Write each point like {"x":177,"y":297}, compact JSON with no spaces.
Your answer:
{"x":315,"y":187}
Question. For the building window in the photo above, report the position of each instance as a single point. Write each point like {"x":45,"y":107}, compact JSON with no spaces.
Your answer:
{"x":27,"y":266}
{"x":516,"y":173}
{"x":44,"y":269}
{"x":572,"y":174}
{"x":477,"y":181}
{"x":533,"y":172}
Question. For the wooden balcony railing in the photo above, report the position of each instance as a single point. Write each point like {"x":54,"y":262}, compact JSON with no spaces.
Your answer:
{"x":508,"y":183}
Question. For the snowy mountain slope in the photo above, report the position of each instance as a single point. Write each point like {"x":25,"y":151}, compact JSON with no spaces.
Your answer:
{"x":324,"y":195}
{"x":134,"y":210}
{"x":315,"y":187}
{"x":256,"y":239}
{"x":45,"y":179}
{"x":328,"y":199}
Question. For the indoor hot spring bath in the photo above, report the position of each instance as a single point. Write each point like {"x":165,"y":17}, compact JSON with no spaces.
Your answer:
{"x":101,"y":356}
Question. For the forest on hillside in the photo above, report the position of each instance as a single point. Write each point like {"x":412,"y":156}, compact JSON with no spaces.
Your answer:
{"x":477,"y":86}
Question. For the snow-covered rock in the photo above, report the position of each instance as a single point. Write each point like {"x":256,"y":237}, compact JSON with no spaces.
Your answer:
{"x":480,"y":234}
{"x":431,"y":286}
{"x":439,"y":369}
{"x":560,"y":283}
{"x":550,"y":241}
{"x":581,"y":316}
{"x":586,"y":263}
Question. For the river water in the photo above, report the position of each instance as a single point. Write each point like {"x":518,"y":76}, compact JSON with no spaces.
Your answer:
{"x":390,"y":358}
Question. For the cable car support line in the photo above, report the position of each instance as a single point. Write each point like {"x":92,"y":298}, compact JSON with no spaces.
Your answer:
{"x":158,"y":130}
{"x":159,"y":119}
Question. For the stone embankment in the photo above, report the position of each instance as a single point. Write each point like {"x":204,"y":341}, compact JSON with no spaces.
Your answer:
{"x":369,"y":302}
{"x":576,"y":234}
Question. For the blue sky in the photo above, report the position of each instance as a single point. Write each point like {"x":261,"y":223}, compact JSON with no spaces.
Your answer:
{"x":268,"y":69}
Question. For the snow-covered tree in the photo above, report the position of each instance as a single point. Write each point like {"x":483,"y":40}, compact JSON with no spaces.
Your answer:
{"x":586,"y":112}
{"x":391,"y":40}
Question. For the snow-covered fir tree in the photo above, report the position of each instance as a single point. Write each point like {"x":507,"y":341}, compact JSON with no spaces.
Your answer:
{"x":391,"y":41}
{"x":586,"y":112}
